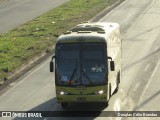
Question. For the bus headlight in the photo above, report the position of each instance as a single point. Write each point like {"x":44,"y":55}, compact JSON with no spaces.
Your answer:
{"x":99,"y":92}
{"x":62,"y":93}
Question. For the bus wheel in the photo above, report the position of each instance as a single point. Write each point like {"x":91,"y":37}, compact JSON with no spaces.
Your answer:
{"x":64,"y":105}
{"x":105,"y":104}
{"x":116,"y":90}
{"x":118,"y":81}
{"x":110,"y":91}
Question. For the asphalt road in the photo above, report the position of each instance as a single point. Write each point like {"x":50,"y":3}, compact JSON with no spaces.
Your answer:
{"x":17,"y":12}
{"x":139,"y":88}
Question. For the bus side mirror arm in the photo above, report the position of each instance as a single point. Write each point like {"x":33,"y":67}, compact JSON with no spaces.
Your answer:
{"x":112,"y":64}
{"x":52,"y":64}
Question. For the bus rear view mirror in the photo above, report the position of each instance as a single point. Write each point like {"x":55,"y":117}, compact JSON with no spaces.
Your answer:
{"x":112,"y":65}
{"x":51,"y":67}
{"x":52,"y":64}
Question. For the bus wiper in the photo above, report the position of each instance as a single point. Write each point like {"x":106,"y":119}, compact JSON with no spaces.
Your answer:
{"x":84,"y":73}
{"x":74,"y":72}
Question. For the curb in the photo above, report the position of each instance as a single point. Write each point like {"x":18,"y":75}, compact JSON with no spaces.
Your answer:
{"x":105,"y":11}
{"x":1,"y":82}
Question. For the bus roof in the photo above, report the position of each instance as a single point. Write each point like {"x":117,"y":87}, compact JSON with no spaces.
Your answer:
{"x":88,"y":32}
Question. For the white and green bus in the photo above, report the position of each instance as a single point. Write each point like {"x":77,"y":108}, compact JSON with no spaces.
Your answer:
{"x":87,"y":63}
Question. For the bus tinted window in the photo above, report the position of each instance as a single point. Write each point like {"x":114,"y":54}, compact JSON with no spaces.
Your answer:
{"x":69,"y":54}
{"x":93,"y":54}
{"x":83,"y":64}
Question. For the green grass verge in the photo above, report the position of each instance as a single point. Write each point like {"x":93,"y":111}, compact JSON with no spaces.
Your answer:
{"x":24,"y":42}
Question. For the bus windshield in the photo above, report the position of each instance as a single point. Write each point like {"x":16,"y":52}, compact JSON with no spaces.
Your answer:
{"x":81,"y":64}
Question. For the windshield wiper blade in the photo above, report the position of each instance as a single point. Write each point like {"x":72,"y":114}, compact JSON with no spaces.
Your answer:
{"x":74,"y":72}
{"x":84,"y":73}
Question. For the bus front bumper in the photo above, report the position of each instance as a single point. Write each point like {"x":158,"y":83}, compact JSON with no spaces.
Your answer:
{"x":81,"y":98}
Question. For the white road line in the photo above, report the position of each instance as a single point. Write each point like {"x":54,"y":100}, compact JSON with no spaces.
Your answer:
{"x":136,"y":87}
{"x":150,"y":80}
{"x":156,"y":48}
{"x":117,"y":106}
{"x":146,"y":68}
{"x":12,"y":84}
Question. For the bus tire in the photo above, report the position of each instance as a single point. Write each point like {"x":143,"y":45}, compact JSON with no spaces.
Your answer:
{"x":110,"y":91}
{"x":105,"y":104}
{"x":64,"y":105}
{"x":116,"y":90}
{"x":118,"y":81}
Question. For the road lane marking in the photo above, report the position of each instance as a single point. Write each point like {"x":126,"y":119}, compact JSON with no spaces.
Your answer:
{"x":146,"y":68}
{"x":117,"y":105}
{"x":149,"y":80}
{"x":152,"y":74}
{"x":156,"y":48}
{"x":12,"y":84}
{"x":136,"y":87}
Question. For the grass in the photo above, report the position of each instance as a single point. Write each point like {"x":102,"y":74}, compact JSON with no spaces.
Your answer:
{"x":34,"y":37}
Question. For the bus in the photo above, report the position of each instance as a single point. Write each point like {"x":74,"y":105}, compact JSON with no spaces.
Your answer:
{"x":87,"y":63}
